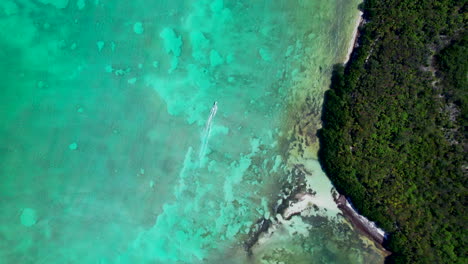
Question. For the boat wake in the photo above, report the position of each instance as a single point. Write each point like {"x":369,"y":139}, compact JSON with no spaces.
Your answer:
{"x":206,"y":132}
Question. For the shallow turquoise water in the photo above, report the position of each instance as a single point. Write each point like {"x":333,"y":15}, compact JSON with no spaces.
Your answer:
{"x":108,"y":150}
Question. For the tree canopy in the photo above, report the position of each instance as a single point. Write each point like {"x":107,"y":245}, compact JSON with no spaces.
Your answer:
{"x":394,"y":133}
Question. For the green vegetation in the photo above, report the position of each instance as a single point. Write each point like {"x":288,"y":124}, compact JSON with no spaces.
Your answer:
{"x":452,"y":63}
{"x":395,"y":131}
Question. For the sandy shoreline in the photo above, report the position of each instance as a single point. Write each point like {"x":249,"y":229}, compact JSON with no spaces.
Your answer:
{"x":353,"y":41}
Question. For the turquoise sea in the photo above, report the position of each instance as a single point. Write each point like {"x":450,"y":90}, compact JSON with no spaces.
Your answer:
{"x":169,"y":131}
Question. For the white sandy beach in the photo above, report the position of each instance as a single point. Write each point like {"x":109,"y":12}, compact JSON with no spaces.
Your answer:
{"x":353,"y":40}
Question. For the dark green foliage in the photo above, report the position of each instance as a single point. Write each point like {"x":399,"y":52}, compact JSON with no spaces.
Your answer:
{"x":453,"y":65}
{"x":393,"y":139}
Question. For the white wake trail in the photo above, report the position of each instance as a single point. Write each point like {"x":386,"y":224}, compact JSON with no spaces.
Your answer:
{"x":206,"y":132}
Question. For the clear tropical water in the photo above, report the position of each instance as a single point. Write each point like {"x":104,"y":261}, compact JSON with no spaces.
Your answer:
{"x":111,"y":149}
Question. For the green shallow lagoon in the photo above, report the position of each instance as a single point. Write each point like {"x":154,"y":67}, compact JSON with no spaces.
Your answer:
{"x":108,"y":150}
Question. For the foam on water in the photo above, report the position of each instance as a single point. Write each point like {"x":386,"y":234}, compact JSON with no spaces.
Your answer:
{"x":207,"y":131}
{"x":103,"y":107}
